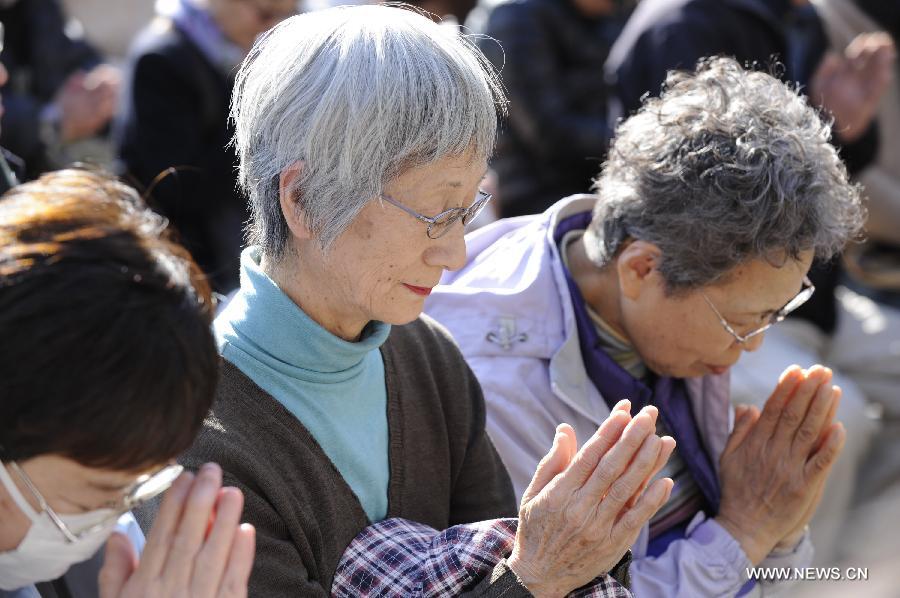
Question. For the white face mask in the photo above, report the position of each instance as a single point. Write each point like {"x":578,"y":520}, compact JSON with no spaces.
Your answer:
{"x":44,"y":553}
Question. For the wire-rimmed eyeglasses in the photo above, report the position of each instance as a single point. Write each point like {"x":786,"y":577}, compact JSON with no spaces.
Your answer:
{"x":143,"y":489}
{"x":802,"y":297}
{"x":440,"y":224}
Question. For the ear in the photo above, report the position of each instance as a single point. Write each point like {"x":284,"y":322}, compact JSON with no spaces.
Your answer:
{"x":636,"y":267}
{"x":287,"y":196}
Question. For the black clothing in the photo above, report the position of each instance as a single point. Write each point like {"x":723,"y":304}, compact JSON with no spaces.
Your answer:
{"x":175,"y":115}
{"x":40,"y":55}
{"x":550,"y":58}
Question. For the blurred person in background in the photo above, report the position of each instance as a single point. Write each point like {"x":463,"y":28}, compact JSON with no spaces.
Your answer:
{"x":60,"y":95}
{"x":11,"y":166}
{"x":108,"y":369}
{"x":708,"y":211}
{"x":848,"y":85}
{"x":174,"y":115}
{"x":363,"y":134}
{"x":550,"y":56}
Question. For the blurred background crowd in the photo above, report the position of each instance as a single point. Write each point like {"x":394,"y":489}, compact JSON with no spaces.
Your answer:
{"x":143,"y":89}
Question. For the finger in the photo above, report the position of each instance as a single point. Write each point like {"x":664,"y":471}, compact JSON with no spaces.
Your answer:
{"x":211,"y":560}
{"x":797,"y":405}
{"x":819,"y":465}
{"x":623,"y":405}
{"x":119,"y":563}
{"x":568,"y":443}
{"x":632,"y":478}
{"x":240,"y":563}
{"x":667,"y":447}
{"x":552,"y":464}
{"x":159,"y":540}
{"x":594,"y":449}
{"x":771,"y":412}
{"x":629,"y":524}
{"x":193,"y":526}
{"x":837,"y":393}
{"x":815,"y":422}
{"x":615,"y":460}
{"x":744,"y":418}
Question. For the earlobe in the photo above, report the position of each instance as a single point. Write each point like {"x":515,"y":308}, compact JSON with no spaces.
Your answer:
{"x":287,"y":196}
{"x":635,"y":266}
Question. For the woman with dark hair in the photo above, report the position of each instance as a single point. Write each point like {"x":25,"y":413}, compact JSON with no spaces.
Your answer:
{"x":108,"y":369}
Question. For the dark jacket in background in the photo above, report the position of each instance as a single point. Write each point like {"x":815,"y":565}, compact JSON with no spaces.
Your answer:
{"x":174,"y":114}
{"x":674,"y":34}
{"x":40,"y":54}
{"x":551,"y":59}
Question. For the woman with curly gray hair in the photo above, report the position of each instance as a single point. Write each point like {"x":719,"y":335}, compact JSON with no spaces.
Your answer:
{"x":709,"y":210}
{"x":363,"y":134}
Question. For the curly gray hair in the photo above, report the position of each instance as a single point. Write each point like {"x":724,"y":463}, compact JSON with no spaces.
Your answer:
{"x":360,"y":94}
{"x":726,"y":166}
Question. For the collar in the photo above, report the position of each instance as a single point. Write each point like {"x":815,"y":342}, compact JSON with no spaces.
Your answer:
{"x":263,"y":320}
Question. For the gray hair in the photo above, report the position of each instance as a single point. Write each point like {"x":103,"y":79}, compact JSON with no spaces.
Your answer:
{"x":726,"y":166}
{"x":360,"y":94}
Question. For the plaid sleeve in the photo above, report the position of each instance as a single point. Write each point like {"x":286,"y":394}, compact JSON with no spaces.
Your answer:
{"x":397,"y":557}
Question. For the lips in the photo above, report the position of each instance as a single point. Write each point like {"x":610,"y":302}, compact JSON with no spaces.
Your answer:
{"x":423,"y":291}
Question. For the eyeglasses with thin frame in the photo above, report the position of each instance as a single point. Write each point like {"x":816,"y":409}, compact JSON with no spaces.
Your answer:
{"x":143,"y":489}
{"x":440,"y":224}
{"x":802,"y":297}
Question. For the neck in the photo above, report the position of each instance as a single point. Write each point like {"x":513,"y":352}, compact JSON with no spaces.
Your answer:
{"x":309,"y":286}
{"x":598,"y":286}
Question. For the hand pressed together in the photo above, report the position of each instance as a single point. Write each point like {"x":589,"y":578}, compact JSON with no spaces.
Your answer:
{"x":774,"y":467}
{"x":584,"y":509}
{"x":197,"y":546}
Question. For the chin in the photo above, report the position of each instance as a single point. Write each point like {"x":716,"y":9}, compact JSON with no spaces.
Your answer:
{"x":676,"y":370}
{"x":399,"y":318}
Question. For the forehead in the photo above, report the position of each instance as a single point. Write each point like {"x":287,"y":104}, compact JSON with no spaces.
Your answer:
{"x":758,"y":286}
{"x":449,"y":170}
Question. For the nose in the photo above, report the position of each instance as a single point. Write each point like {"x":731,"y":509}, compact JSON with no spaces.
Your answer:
{"x":754,"y":343}
{"x":448,"y":252}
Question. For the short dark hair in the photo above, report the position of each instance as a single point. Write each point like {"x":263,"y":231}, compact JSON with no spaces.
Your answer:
{"x":106,"y":351}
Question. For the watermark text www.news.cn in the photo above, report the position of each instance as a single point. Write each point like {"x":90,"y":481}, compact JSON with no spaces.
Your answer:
{"x":808,"y":573}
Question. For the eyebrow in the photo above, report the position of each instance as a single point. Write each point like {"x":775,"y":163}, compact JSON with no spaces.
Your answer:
{"x":458,"y":184}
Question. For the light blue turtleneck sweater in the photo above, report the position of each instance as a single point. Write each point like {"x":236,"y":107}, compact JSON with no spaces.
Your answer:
{"x":334,"y":387}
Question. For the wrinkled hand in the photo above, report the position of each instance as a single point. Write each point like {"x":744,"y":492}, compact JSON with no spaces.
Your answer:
{"x":775,"y":464}
{"x":87,"y":101}
{"x":197,"y":546}
{"x":582,"y":512}
{"x":851,"y":86}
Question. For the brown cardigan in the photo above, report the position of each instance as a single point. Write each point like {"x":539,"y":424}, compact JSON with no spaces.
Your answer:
{"x":444,"y":469}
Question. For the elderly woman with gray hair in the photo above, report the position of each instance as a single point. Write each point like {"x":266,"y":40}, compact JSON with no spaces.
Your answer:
{"x":363,"y":134}
{"x":708,"y":212}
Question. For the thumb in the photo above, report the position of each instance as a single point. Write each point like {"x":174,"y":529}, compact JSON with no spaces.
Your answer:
{"x":553,"y":463}
{"x":118,"y":565}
